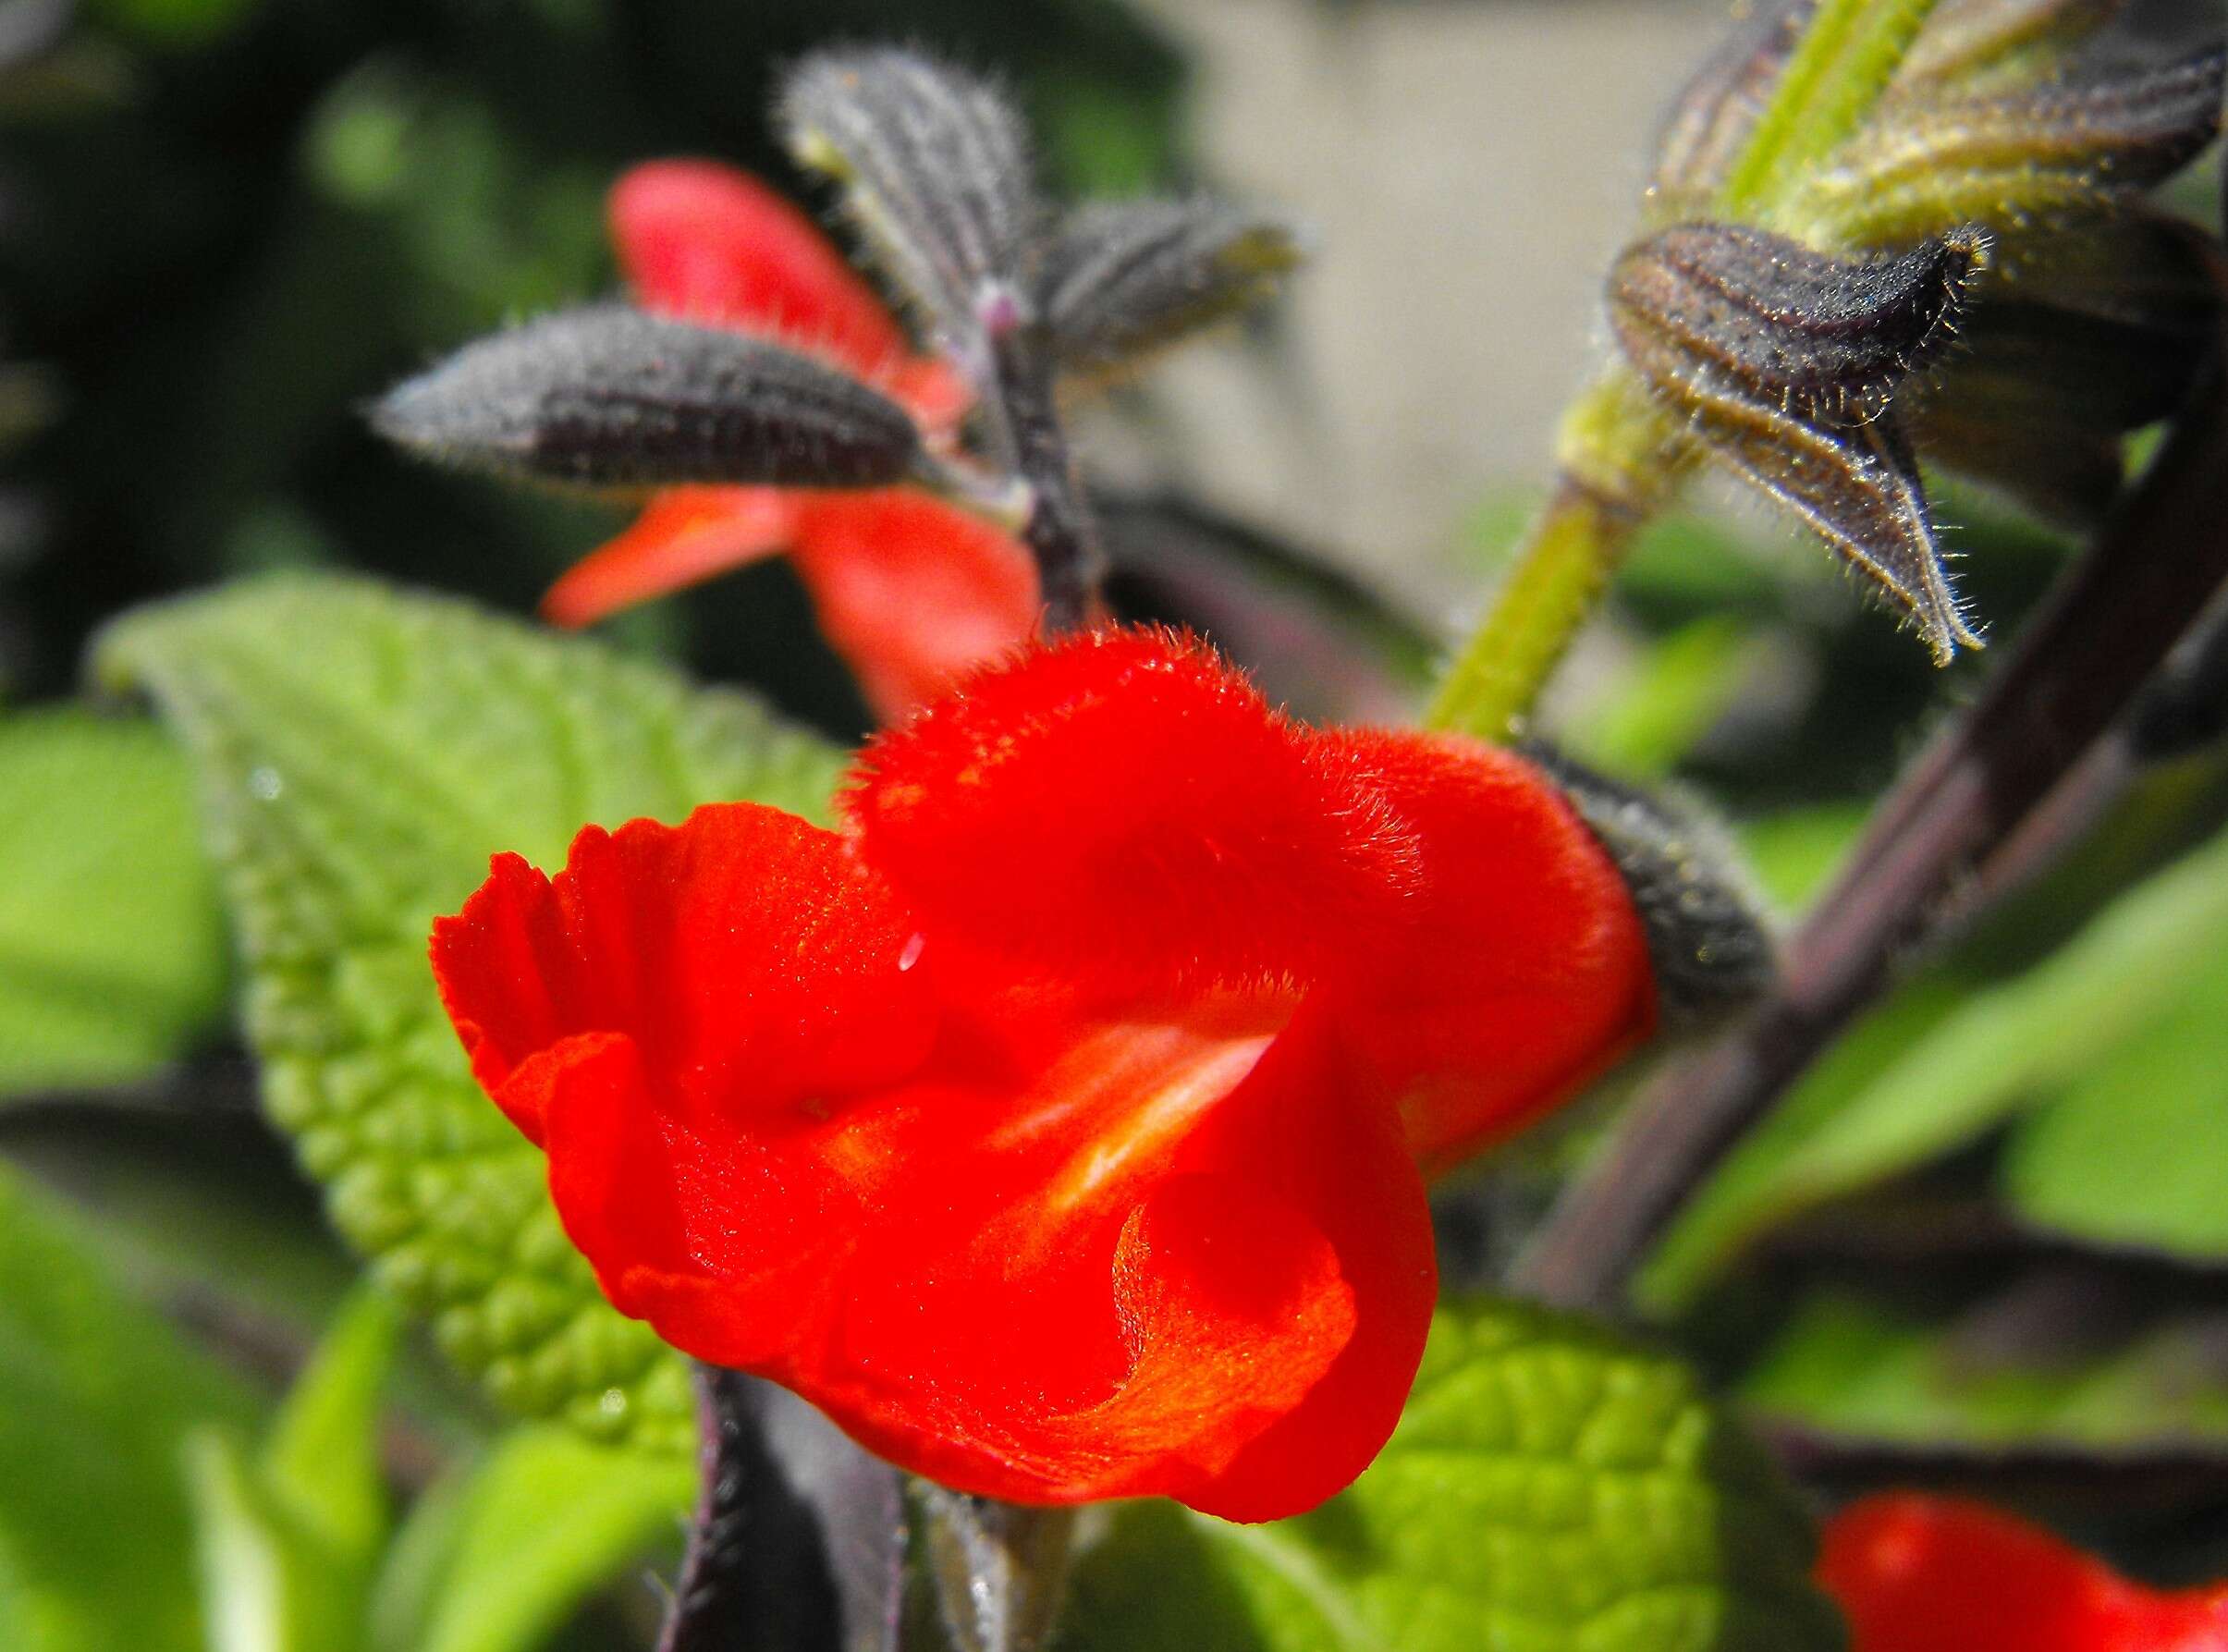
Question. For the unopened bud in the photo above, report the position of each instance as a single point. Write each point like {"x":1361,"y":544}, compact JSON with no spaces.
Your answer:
{"x":2051,"y":151}
{"x":1714,"y":114}
{"x":935,"y":167}
{"x":1123,"y":279}
{"x":1783,"y":361}
{"x":1706,"y":935}
{"x":1983,"y":42}
{"x":612,"y":397}
{"x":1816,"y":333}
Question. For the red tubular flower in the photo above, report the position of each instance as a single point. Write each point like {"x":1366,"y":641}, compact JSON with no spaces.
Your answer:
{"x":1056,"y":1128}
{"x":911,"y":590}
{"x":1917,"y":1574}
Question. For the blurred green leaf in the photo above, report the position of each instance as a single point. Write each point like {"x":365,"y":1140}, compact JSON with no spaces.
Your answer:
{"x":322,"y":1457}
{"x":1859,"y":1369}
{"x":1690,"y":564}
{"x":111,"y":944}
{"x":96,"y":1548}
{"x":253,"y":1587}
{"x":1814,"y":1146}
{"x":176,"y":23}
{"x":1549,"y":1486}
{"x":1681,"y":685}
{"x":485,"y":1562}
{"x":2135,"y":1152}
{"x":289,"y":1534}
{"x":361,"y":754}
{"x":1938,"y":1066}
{"x":1793,"y":853}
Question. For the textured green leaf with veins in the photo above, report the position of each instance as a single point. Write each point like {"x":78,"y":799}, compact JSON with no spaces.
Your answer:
{"x":1551,"y":1487}
{"x":360,"y":753}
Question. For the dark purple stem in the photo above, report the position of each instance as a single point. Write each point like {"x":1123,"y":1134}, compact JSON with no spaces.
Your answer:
{"x":1058,"y":530}
{"x":755,"y":1577}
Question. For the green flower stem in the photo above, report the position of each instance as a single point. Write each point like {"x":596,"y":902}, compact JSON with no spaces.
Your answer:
{"x":1621,"y":458}
{"x":1848,"y":55}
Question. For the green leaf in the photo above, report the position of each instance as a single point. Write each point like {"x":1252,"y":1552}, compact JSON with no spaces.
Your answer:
{"x":288,"y":1534}
{"x":1793,"y":853}
{"x":1681,"y":685}
{"x":111,"y":944}
{"x":96,"y":1548}
{"x":2135,"y":1152}
{"x":1858,"y":1369}
{"x":250,"y":1582}
{"x":1817,"y":1145}
{"x":1551,"y":1488}
{"x":482,"y":1566}
{"x":1938,"y":1067}
{"x":361,"y":755}
{"x":176,"y":24}
{"x":321,"y":1460}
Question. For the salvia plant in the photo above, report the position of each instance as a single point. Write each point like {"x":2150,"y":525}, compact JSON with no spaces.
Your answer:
{"x":1018,"y":1184}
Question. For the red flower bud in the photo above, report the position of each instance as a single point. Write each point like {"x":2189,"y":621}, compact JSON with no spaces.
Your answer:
{"x":1057,"y":1128}
{"x":1916,"y":1574}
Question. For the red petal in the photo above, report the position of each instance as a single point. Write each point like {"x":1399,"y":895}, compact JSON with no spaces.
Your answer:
{"x":752,"y":964}
{"x":1517,"y":969}
{"x":709,"y":244}
{"x":1124,"y":806}
{"x":684,"y":537}
{"x":914,"y":593}
{"x":1916,"y":1574}
{"x":1342,"y":1159}
{"x":647,"y":1197}
{"x":1112,"y":1280}
{"x":508,"y":980}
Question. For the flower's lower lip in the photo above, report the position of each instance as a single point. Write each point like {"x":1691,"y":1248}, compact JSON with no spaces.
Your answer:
{"x":1160,"y":1111}
{"x":1145,"y":1083}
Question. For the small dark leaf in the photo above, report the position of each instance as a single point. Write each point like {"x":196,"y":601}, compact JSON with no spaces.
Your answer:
{"x":2038,"y":406}
{"x":1718,"y":108}
{"x":1782,"y":361}
{"x":1124,"y":278}
{"x":2046,"y":460}
{"x":1857,"y":485}
{"x":611,"y":398}
{"x":1974,"y":40}
{"x":1705,"y":937}
{"x":1770,"y":319}
{"x":935,"y":167}
{"x":2057,"y":151}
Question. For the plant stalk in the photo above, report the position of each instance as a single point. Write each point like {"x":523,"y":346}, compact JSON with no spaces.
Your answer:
{"x":1025,"y":411}
{"x":753,"y":1578}
{"x":2077,"y":668}
{"x":1620,"y":456}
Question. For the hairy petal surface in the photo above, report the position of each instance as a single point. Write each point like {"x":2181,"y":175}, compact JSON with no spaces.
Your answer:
{"x":1125,"y":807}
